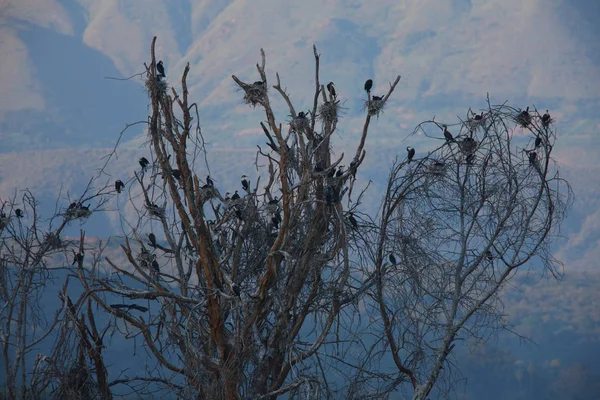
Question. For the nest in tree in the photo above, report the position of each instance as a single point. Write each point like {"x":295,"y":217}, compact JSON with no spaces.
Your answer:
{"x":375,"y":105}
{"x":78,"y":212}
{"x":328,"y":111}
{"x":53,"y":241}
{"x":207,"y":193}
{"x":255,"y":93}
{"x":155,"y":210}
{"x":468,"y":146}
{"x":523,"y":119}
{"x":160,"y":85}
{"x":300,"y":122}
{"x":437,"y":168}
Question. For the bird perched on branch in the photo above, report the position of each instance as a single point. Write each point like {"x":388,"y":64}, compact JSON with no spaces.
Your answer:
{"x":152,"y":239}
{"x":144,"y":163}
{"x":19,"y":213}
{"x":448,"y":135}
{"x":538,"y":141}
{"x":392,"y":259}
{"x":532,"y":157}
{"x":368,"y":85}
{"x":546,"y":120}
{"x":119,"y":185}
{"x":176,"y":174}
{"x":161,"y":69}
{"x":245,"y":183}
{"x":331,"y":90}
{"x":411,"y":153}
{"x":235,"y":196}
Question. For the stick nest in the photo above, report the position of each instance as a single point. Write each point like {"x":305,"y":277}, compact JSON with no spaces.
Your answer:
{"x":375,"y":106}
{"x":329,"y":111}
{"x":255,"y":93}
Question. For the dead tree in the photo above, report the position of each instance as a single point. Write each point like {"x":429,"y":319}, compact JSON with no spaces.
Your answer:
{"x":33,"y":251}
{"x":242,"y":291}
{"x":459,"y":223}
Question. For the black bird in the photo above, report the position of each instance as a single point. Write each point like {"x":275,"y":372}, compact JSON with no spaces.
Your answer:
{"x":274,"y":201}
{"x":339,"y":172}
{"x":176,"y":174}
{"x":448,"y":135}
{"x":411,"y":153}
{"x":377,"y":98}
{"x":19,"y":213}
{"x":245,"y":183}
{"x":331,"y":173}
{"x":119,"y":185}
{"x":478,"y":117}
{"x":152,"y":239}
{"x":532,"y":157}
{"x":368,"y":85}
{"x":470,"y":158}
{"x":72,"y":206}
{"x":155,"y":266}
{"x":144,"y":163}
{"x":209,"y":181}
{"x":161,"y":69}
{"x":489,"y":255}
{"x":77,"y":258}
{"x":259,"y":83}
{"x":235,"y":196}
{"x":392,"y":259}
{"x":301,"y":114}
{"x":353,"y":220}
{"x":331,"y":90}
{"x":538,"y":141}
{"x":546,"y":119}
{"x":236,"y":289}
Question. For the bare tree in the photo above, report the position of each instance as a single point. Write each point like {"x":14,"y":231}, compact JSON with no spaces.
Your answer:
{"x":32,"y":260}
{"x":455,"y":227}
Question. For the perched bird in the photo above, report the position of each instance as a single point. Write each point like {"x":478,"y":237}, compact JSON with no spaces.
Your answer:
{"x":161,"y":69}
{"x":368,"y":85}
{"x":411,"y":153}
{"x":155,"y":266}
{"x":489,"y":256}
{"x":209,"y":181}
{"x":353,"y":220}
{"x":119,"y":185}
{"x":448,"y":135}
{"x":478,"y":117}
{"x":77,"y":258}
{"x":236,"y":289}
{"x":144,"y":163}
{"x":340,"y":171}
{"x":72,"y":206}
{"x":546,"y":119}
{"x":245,"y":183}
{"x":152,"y":239}
{"x":532,"y":157}
{"x":19,"y":213}
{"x":274,"y":201}
{"x":331,"y":90}
{"x":235,"y":196}
{"x":377,"y":98}
{"x":538,"y":141}
{"x":176,"y":174}
{"x":392,"y":259}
